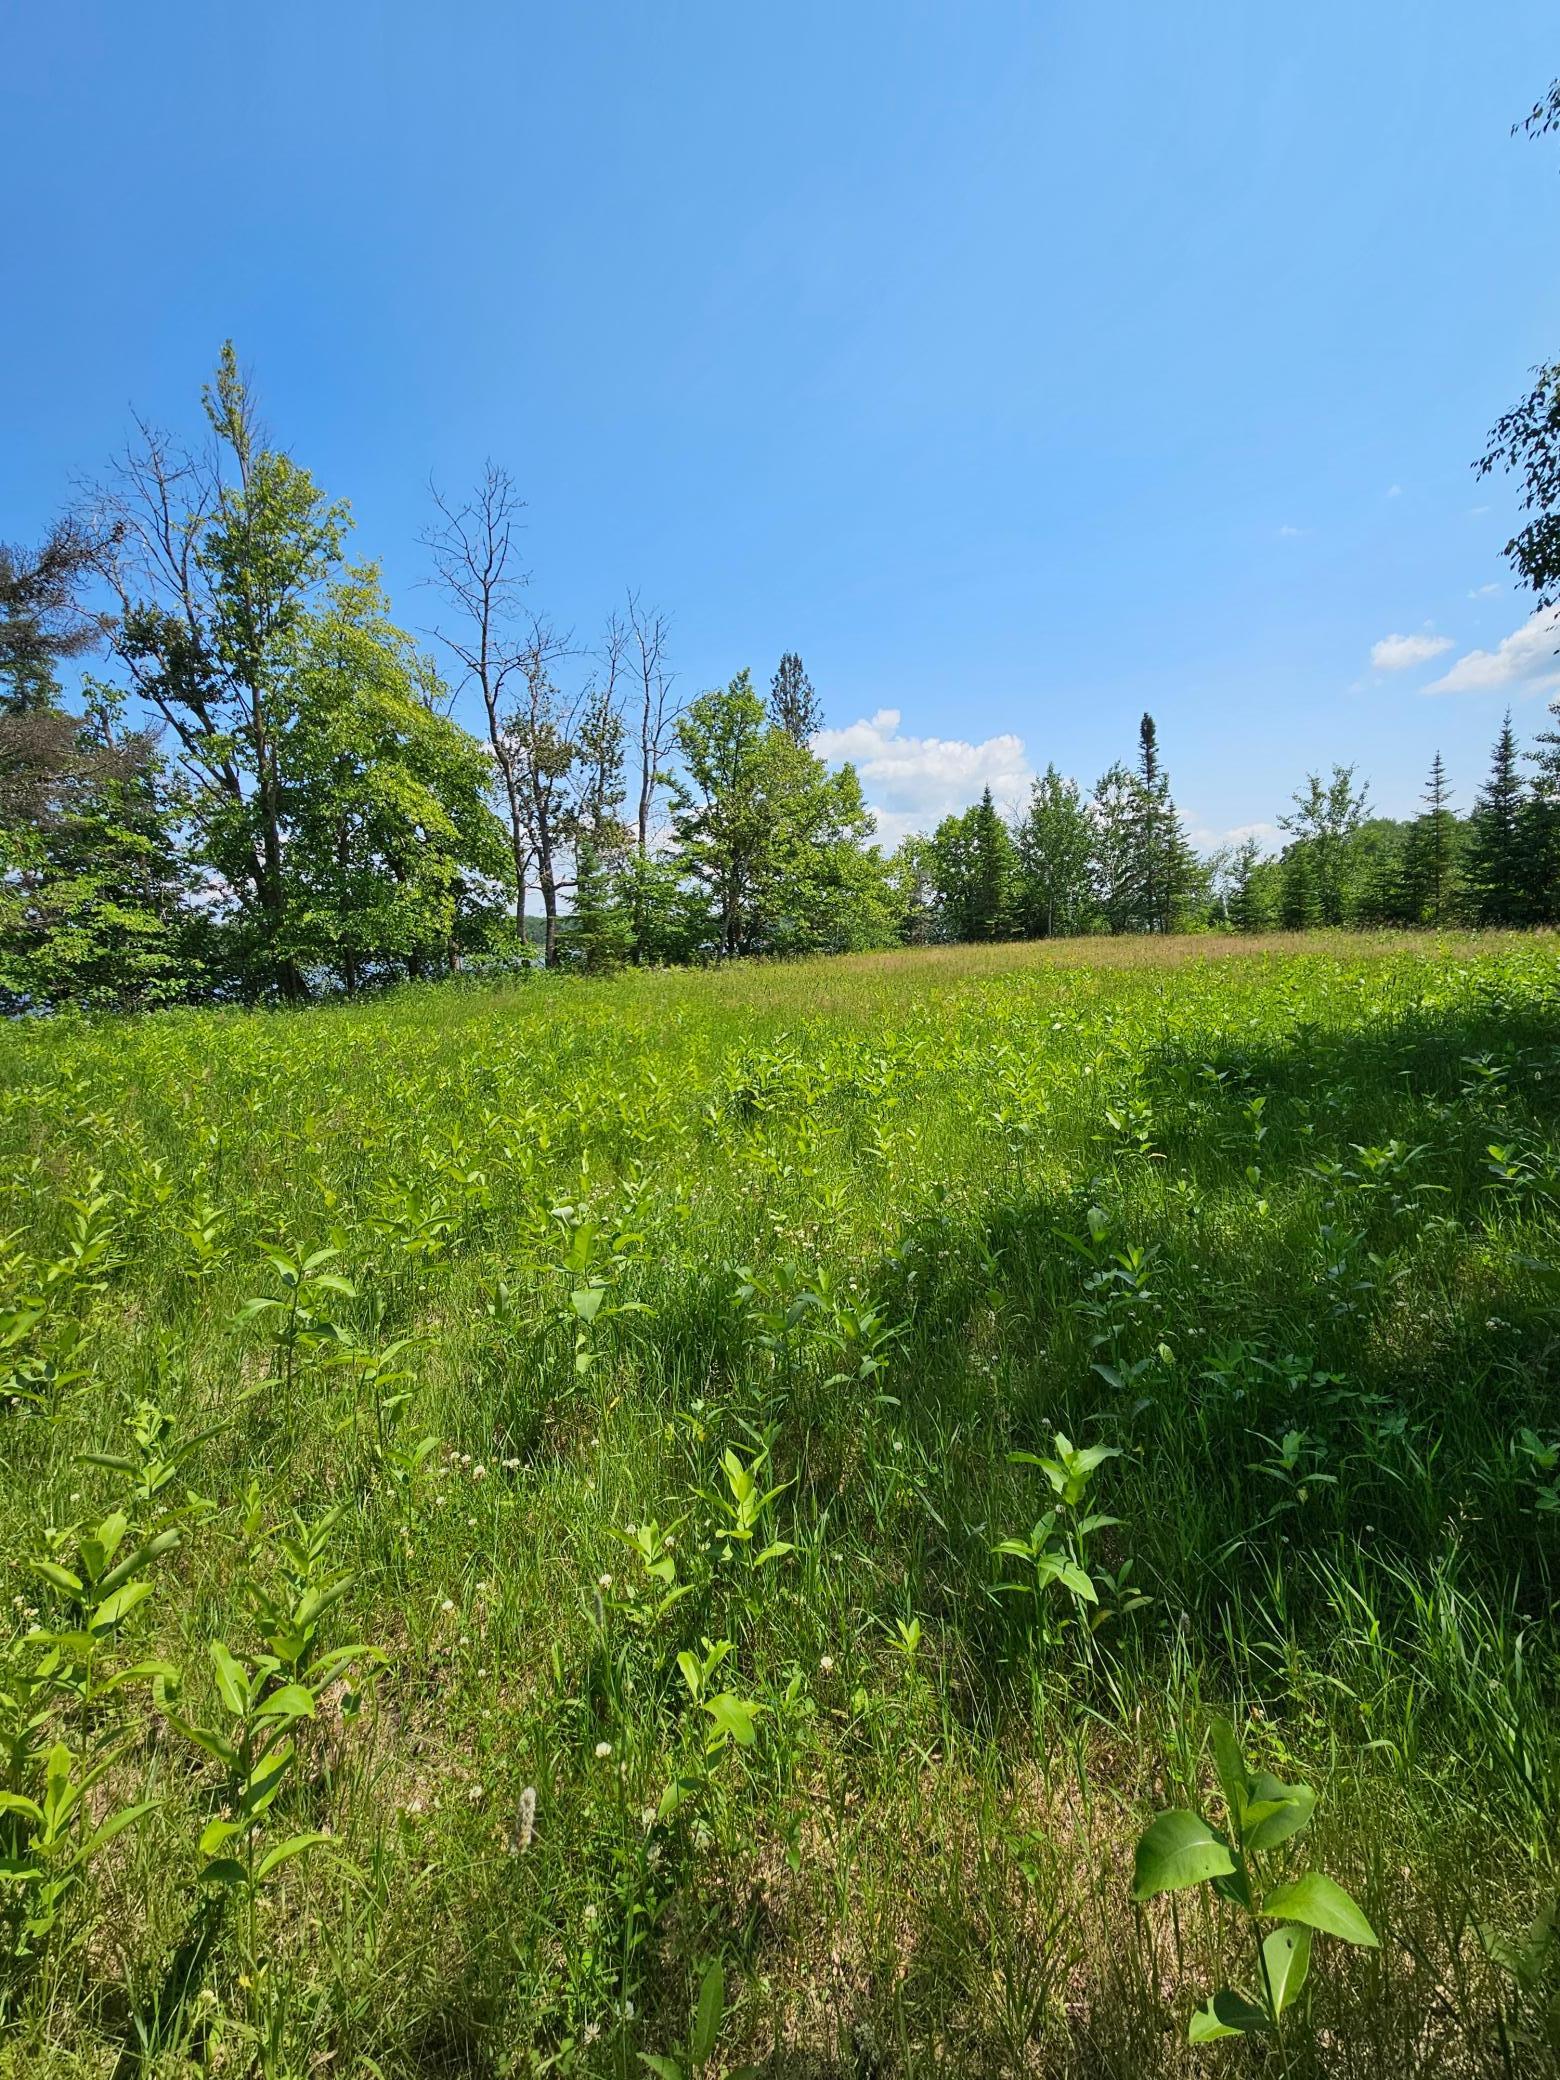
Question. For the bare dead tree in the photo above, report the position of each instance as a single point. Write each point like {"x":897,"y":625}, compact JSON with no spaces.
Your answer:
{"x":646,"y":640}
{"x":477,"y":569}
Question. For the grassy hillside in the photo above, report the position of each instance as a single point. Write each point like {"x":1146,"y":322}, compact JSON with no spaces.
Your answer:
{"x":511,"y":1482}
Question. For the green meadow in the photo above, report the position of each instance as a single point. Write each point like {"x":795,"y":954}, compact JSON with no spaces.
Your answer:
{"x":695,"y":1520}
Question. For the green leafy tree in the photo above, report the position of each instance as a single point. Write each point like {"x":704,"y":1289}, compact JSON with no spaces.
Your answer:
{"x":722,"y":812}
{"x":91,"y":867}
{"x":1054,"y":841}
{"x":394,"y":859}
{"x":1325,"y":817}
{"x":217,"y":566}
{"x":90,"y":857}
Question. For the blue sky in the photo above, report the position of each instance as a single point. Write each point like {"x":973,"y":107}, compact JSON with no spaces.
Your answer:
{"x":1022,"y":366}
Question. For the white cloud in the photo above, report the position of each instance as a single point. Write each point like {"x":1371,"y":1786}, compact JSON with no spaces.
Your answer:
{"x":912,"y":783}
{"x":1398,"y":653}
{"x":1288,"y":534}
{"x":1523,"y":662}
{"x":1206,"y":838}
{"x":1394,"y":491}
{"x":1486,"y":591}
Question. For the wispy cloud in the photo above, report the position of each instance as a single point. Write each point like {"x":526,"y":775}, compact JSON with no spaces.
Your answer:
{"x":1486,"y":591}
{"x":1288,"y":534}
{"x":912,"y":782}
{"x":1401,"y":653}
{"x":1523,"y":662}
{"x":1394,"y":491}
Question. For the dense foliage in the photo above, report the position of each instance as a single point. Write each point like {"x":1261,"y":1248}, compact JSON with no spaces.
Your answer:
{"x":268,"y":796}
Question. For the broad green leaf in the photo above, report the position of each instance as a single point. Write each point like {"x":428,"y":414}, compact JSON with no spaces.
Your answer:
{"x":223,"y":1871}
{"x":217,"y":1833}
{"x":214,"y":1744}
{"x":233,"y":1685}
{"x":1179,"y":1849}
{"x":292,"y":1701}
{"x":664,"y":2068}
{"x":1287,"y":1956}
{"x":712,"y":2006}
{"x":1233,"y":1781}
{"x":113,"y":1610}
{"x":154,"y":1548}
{"x":1317,"y":1902}
{"x":1228,"y":2014}
{"x":284,"y":1852}
{"x":733,"y":1717}
{"x":265,"y":1780}
{"x":1076,"y":1580}
{"x":1276,"y":1812}
{"x":586,"y":1301}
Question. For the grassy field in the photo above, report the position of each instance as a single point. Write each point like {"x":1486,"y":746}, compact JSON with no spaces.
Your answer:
{"x":506,"y":1490}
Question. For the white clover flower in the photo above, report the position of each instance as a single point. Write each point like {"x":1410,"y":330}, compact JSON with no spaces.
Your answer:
{"x":603,"y":1750}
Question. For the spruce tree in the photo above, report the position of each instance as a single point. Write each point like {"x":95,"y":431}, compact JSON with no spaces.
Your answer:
{"x":1498,"y":862}
{"x":992,"y":893}
{"x":1429,"y":853}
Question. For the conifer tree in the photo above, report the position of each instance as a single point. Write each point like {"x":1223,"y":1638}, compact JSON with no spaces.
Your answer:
{"x":1498,"y":860}
{"x":1429,"y":855}
{"x":793,"y":706}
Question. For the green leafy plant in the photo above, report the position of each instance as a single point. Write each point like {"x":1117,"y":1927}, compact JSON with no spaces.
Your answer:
{"x":1056,"y":1548}
{"x":733,"y":1722}
{"x":1244,"y":1868}
{"x":47,"y":1841}
{"x":695,"y":2058}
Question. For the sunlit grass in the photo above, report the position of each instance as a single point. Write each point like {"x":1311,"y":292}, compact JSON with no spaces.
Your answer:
{"x":853,"y":1231}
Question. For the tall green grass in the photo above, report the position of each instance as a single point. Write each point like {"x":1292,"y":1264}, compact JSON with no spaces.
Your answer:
{"x":1281,"y":1224}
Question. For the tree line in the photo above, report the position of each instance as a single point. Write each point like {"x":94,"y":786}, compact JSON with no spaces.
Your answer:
{"x":257,"y":789}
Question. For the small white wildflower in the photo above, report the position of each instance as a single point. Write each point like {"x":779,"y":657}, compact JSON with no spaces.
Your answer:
{"x":479,"y":1473}
{"x":826,"y":1665}
{"x":603,"y":1750}
{"x":603,"y":1581}
{"x":447,"y":1605}
{"x":590,"y":1911}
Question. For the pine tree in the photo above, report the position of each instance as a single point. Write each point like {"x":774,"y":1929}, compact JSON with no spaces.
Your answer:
{"x":793,"y":706}
{"x":1498,"y":849}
